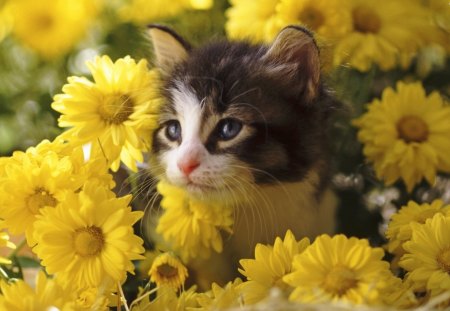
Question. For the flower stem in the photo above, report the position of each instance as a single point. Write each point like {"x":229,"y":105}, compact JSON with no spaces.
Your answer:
{"x":122,"y":297}
{"x":3,"y":274}
{"x":17,"y":249}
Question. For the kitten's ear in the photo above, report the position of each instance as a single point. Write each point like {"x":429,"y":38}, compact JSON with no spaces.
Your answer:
{"x":169,"y":47}
{"x":294,"y":53}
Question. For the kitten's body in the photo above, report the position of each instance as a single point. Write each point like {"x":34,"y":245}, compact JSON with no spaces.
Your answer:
{"x":247,"y":125}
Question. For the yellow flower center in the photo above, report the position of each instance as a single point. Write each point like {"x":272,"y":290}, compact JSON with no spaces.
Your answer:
{"x":167,"y":271}
{"x":116,"y":108}
{"x":412,"y":129}
{"x":88,"y":241}
{"x":443,"y":260}
{"x":40,"y":198}
{"x":365,"y":20}
{"x":43,"y":22}
{"x":339,"y":280}
{"x":312,"y":18}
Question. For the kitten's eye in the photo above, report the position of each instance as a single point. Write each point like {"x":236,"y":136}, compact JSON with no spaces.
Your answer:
{"x":173,"y":130}
{"x":229,"y":128}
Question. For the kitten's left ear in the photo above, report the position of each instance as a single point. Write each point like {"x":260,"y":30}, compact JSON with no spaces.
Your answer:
{"x":295,"y":52}
{"x":169,"y":47}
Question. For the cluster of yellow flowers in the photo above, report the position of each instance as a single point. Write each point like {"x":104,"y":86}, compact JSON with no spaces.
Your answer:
{"x":406,"y":135}
{"x":342,"y":271}
{"x":52,"y":28}
{"x":419,"y":236}
{"x":59,"y":194}
{"x":74,"y":223}
{"x":356,"y":33}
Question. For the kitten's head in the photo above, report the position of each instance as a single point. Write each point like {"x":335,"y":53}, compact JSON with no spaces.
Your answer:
{"x":238,"y":115}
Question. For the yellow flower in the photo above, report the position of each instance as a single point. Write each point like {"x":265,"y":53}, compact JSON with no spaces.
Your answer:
{"x":167,"y":299}
{"x":251,"y":19}
{"x":427,"y":257}
{"x":400,"y":227}
{"x":46,"y":295}
{"x":31,"y":184}
{"x":52,"y":27}
{"x":5,"y":242}
{"x":327,"y":19}
{"x":221,"y":298}
{"x":88,"y":299}
{"x":201,"y":4}
{"x":269,"y":267}
{"x":168,"y":270}
{"x":116,"y":114}
{"x":6,"y":20}
{"x":406,"y":135}
{"x":88,"y":239}
{"x":381,"y":34}
{"x":192,"y":227}
{"x":339,"y":269}
{"x":141,"y":12}
{"x":94,"y":168}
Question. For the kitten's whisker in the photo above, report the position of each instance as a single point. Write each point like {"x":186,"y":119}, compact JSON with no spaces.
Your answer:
{"x":267,"y":205}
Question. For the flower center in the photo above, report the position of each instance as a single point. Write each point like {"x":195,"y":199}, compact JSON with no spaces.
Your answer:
{"x":88,"y":241}
{"x":116,"y":108}
{"x":443,"y":260}
{"x":412,"y":129}
{"x":40,"y":198}
{"x":339,"y":280}
{"x":43,"y":22}
{"x":365,"y":20}
{"x":312,"y":18}
{"x":167,"y":271}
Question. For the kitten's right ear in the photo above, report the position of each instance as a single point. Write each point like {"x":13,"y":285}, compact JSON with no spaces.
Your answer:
{"x":169,"y":47}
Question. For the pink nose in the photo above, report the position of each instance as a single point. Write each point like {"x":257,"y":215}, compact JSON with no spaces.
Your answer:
{"x":188,"y":166}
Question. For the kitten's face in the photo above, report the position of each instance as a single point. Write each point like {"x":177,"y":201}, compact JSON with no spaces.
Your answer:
{"x":233,"y":120}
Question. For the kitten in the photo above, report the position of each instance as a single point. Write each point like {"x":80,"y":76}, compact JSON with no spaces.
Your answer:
{"x":247,"y":124}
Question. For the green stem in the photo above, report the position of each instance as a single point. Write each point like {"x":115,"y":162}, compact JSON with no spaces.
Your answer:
{"x":3,"y":274}
{"x":18,"y":248}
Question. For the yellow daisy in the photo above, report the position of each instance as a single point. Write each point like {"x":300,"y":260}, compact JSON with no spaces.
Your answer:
{"x":88,"y":299}
{"x":168,"y":270}
{"x":141,"y":12}
{"x":328,"y":19}
{"x":339,"y":269}
{"x":269,"y":267}
{"x":32,"y":183}
{"x":400,"y":227}
{"x":427,"y":257}
{"x":381,"y":34}
{"x":5,"y":242}
{"x":192,"y":227}
{"x":221,"y":298}
{"x":88,"y":239}
{"x":6,"y":19}
{"x":46,"y":295}
{"x":405,"y":135}
{"x":52,"y":27}
{"x":94,"y":168}
{"x":201,"y":4}
{"x":116,"y":114}
{"x":251,"y":20}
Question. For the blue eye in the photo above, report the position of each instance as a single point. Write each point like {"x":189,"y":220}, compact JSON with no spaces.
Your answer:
{"x":173,"y":130}
{"x":229,"y":128}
